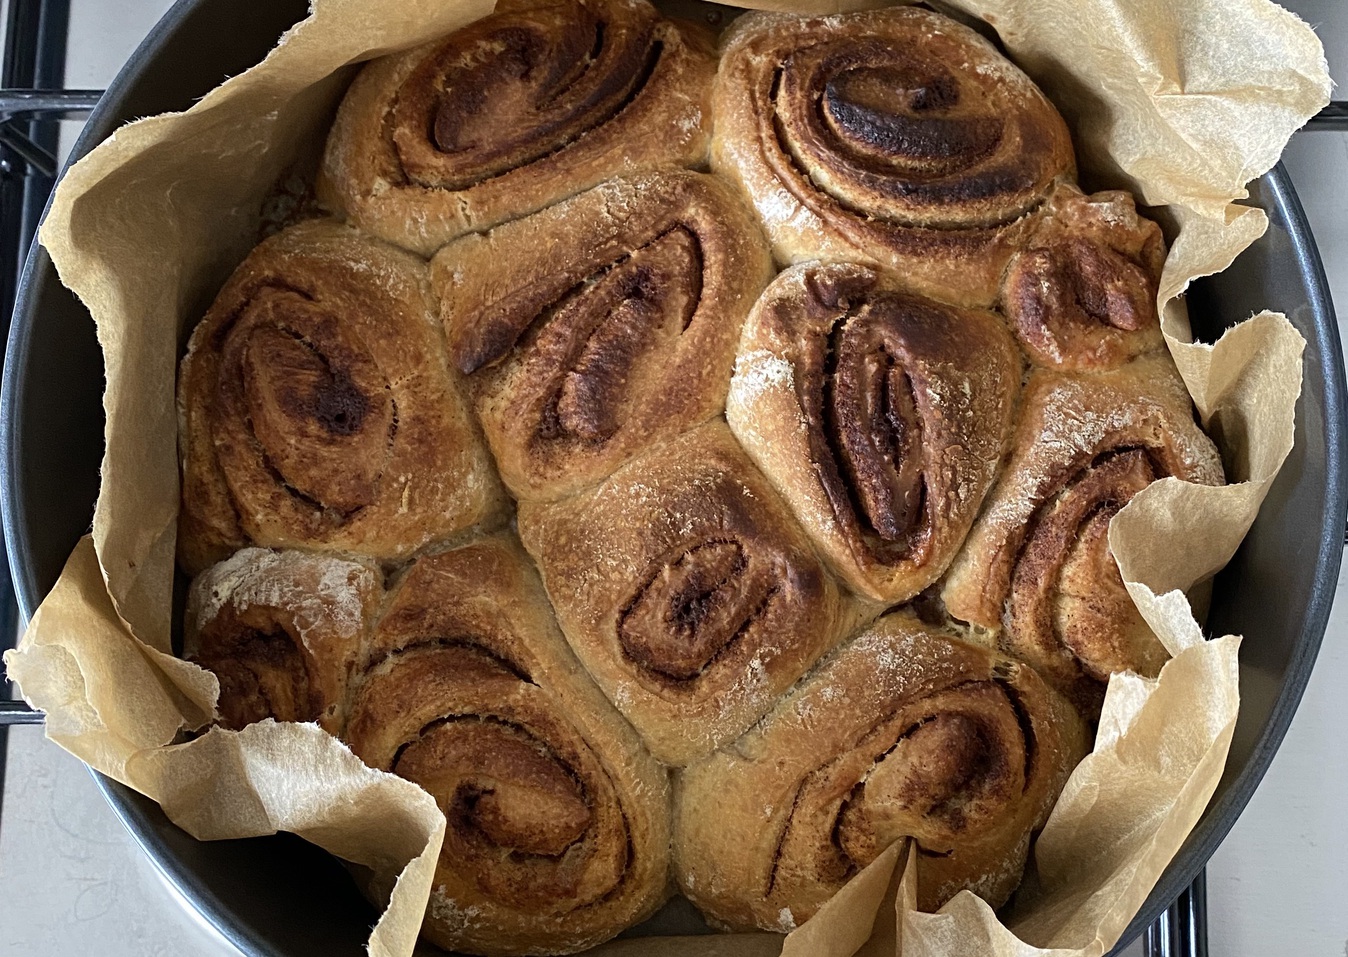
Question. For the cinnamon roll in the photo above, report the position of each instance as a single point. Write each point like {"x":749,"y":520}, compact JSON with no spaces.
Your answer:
{"x":282,"y":632}
{"x":558,"y":820}
{"x":1082,"y":294}
{"x":1036,"y":571}
{"x":621,"y":335}
{"x":317,"y":408}
{"x":904,"y":732}
{"x":540,"y":100}
{"x":687,"y":590}
{"x":880,"y":416}
{"x":895,"y":136}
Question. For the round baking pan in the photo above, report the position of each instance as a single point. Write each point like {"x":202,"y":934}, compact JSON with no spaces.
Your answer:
{"x":280,"y":896}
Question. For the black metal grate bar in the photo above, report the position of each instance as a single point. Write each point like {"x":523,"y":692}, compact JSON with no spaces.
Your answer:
{"x":39,"y":159}
{"x":18,"y":712}
{"x":34,"y":62}
{"x":47,"y":104}
{"x":1182,"y":931}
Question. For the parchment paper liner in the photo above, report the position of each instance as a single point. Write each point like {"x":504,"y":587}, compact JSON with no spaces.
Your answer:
{"x":1182,"y":102}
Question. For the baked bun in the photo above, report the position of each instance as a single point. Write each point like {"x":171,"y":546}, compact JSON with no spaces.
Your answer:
{"x":317,"y":408}
{"x":896,"y":137}
{"x":617,"y":338}
{"x":1082,"y":294}
{"x":558,"y":819}
{"x":282,"y":632}
{"x":530,"y":105}
{"x":687,"y":590}
{"x":1036,"y":573}
{"x":903,"y":732}
{"x":879,"y":415}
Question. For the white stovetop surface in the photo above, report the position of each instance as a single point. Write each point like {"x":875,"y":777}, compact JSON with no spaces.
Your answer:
{"x":72,"y":881}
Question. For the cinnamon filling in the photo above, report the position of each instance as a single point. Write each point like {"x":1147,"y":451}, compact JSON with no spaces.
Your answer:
{"x":516,"y":87}
{"x":318,"y":407}
{"x":1058,"y":292}
{"x":876,"y":428}
{"x":942,"y":769}
{"x":865,"y":412}
{"x":596,"y":343}
{"x":866,"y":128}
{"x":515,"y":810}
{"x":894,"y":111}
{"x":929,"y":773}
{"x":262,"y":674}
{"x":1069,"y":611}
{"x":693,"y":608}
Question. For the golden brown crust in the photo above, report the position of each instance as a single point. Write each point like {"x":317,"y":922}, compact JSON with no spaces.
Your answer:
{"x":509,"y":114}
{"x":880,"y":416}
{"x":317,"y":408}
{"x":902,"y":732}
{"x":600,"y":326}
{"x":282,"y":632}
{"x":894,"y":136}
{"x":1036,"y":570}
{"x":587,"y":300}
{"x":688,"y":591}
{"x":1082,"y":294}
{"x":558,"y":819}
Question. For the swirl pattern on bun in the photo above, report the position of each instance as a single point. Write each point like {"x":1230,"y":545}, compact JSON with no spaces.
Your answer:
{"x":903,"y":732}
{"x":535,"y":103}
{"x":688,"y":591}
{"x":1036,"y":571}
{"x":880,"y":416}
{"x":620,"y":337}
{"x":1082,"y":294}
{"x":558,"y":819}
{"x":896,"y":137}
{"x":282,"y":632}
{"x":319,"y":411}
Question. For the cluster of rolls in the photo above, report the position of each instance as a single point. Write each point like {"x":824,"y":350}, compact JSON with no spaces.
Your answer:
{"x":803,"y":563}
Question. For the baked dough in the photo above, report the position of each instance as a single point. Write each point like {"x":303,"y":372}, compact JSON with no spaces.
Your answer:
{"x":540,"y":100}
{"x":880,"y":416}
{"x":896,"y":137}
{"x":601,"y":326}
{"x":317,"y":409}
{"x":558,"y":819}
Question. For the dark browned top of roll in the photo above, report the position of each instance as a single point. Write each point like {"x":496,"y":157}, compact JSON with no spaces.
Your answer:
{"x":900,"y":133}
{"x":554,"y":812}
{"x":534,"y":103}
{"x":1082,"y":295}
{"x":319,"y":411}
{"x":879,"y":414}
{"x":620,"y":336}
{"x":906,"y":134}
{"x":519,"y":85}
